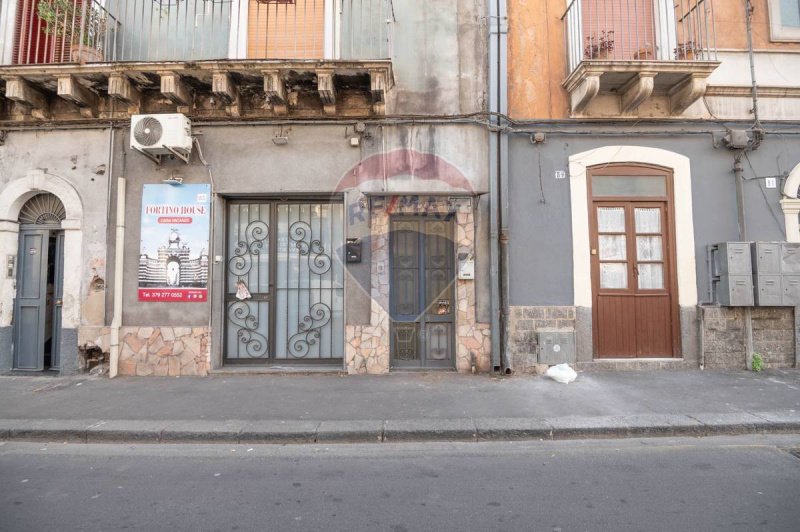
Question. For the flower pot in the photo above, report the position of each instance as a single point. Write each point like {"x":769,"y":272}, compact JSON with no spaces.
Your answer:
{"x":643,"y":54}
{"x":604,"y":54}
{"x":81,"y":53}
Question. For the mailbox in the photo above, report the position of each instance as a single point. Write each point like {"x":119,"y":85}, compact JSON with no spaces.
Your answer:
{"x":353,"y":250}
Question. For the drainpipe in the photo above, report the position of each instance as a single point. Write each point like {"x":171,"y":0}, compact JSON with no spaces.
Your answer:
{"x":498,"y":183}
{"x":738,"y":173}
{"x":742,"y":221}
{"x":119,"y":252}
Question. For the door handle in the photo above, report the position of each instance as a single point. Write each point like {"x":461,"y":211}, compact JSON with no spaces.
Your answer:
{"x":636,"y":270}
{"x":59,"y":302}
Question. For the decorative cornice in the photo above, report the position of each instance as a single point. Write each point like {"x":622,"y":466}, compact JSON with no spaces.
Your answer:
{"x":746,"y":91}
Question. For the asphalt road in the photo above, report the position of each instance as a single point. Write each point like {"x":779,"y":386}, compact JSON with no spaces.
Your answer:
{"x":726,"y":483}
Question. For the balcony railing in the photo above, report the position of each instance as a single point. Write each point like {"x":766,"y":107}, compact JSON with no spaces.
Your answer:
{"x":639,"y":30}
{"x":87,"y":31}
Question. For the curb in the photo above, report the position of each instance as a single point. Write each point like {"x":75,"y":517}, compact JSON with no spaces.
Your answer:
{"x":400,"y":430}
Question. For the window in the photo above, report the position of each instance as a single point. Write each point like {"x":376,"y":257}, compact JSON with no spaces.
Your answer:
{"x":784,"y":20}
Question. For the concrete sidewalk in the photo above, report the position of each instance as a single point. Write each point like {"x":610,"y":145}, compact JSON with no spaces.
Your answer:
{"x":397,"y":407}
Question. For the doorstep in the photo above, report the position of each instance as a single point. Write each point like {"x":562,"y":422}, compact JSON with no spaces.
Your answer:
{"x":273,"y":369}
{"x":636,"y":364}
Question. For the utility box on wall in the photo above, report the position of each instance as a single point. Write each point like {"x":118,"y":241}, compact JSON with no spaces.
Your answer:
{"x":776,"y":273}
{"x":764,"y":274}
{"x":733,"y":265}
{"x":556,"y":347}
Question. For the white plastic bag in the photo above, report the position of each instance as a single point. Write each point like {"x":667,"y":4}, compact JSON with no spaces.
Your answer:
{"x":561,"y":373}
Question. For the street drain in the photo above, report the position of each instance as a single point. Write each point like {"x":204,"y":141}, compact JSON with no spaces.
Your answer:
{"x":795,"y":453}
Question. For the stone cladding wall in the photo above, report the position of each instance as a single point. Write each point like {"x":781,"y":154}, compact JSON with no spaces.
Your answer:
{"x":367,"y":348}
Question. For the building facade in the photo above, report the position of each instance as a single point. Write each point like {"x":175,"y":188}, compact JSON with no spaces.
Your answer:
{"x":361,"y":186}
{"x":347,"y":220}
{"x":625,"y":171}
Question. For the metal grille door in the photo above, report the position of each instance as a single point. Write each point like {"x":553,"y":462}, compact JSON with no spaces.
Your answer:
{"x":285,"y":282}
{"x":248,"y":294}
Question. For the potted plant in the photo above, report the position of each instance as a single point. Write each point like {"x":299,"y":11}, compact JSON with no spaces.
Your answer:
{"x":599,"y":48}
{"x":688,"y":50}
{"x":62,"y":19}
{"x":645,"y":53}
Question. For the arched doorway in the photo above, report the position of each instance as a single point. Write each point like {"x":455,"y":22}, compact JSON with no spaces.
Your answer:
{"x":40,"y":284}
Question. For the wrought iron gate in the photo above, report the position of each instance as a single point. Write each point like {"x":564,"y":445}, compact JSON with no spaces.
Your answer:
{"x":284,"y":282}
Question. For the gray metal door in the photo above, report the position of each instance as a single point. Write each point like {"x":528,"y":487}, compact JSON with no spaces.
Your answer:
{"x":284,"y":282}
{"x":30,"y":305}
{"x":58,"y":298}
{"x":422,"y":292}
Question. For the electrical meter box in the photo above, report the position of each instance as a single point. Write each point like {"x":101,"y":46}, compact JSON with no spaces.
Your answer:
{"x":735,"y":291}
{"x":790,"y":257}
{"x":766,"y":258}
{"x":768,"y":290}
{"x":776,"y":273}
{"x":556,"y":347}
{"x":733,"y":258}
{"x":733,"y":264}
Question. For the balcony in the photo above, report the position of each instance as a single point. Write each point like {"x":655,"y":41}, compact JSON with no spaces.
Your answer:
{"x":635,"y":50}
{"x":250,"y":56}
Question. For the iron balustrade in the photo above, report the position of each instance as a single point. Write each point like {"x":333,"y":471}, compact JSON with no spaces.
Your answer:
{"x":60,"y":31}
{"x":85,"y":31}
{"x":639,"y":30}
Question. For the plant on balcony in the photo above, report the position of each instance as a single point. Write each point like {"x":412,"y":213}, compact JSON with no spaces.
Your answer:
{"x":599,"y":48}
{"x":688,"y":50}
{"x":646,"y":52}
{"x":62,"y":19}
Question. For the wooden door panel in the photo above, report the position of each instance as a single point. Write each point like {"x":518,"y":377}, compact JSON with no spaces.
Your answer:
{"x":653,"y":326}
{"x":633,"y":263}
{"x":616,"y":326}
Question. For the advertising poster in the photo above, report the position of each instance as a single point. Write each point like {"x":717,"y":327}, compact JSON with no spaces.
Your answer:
{"x":173,"y":260}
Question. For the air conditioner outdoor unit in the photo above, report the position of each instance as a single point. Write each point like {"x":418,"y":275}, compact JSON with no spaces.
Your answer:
{"x":162,"y":134}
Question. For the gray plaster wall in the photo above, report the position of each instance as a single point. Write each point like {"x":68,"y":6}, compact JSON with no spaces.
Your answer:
{"x":541,"y":264}
{"x":246,"y":163}
{"x":438,"y":57}
{"x":80,"y":157}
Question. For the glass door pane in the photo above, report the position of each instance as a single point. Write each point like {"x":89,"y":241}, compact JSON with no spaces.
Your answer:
{"x":649,"y":248}
{"x":612,"y":247}
{"x":309,"y":289}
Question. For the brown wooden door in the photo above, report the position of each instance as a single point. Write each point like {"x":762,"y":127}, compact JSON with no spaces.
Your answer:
{"x":633,"y":278}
